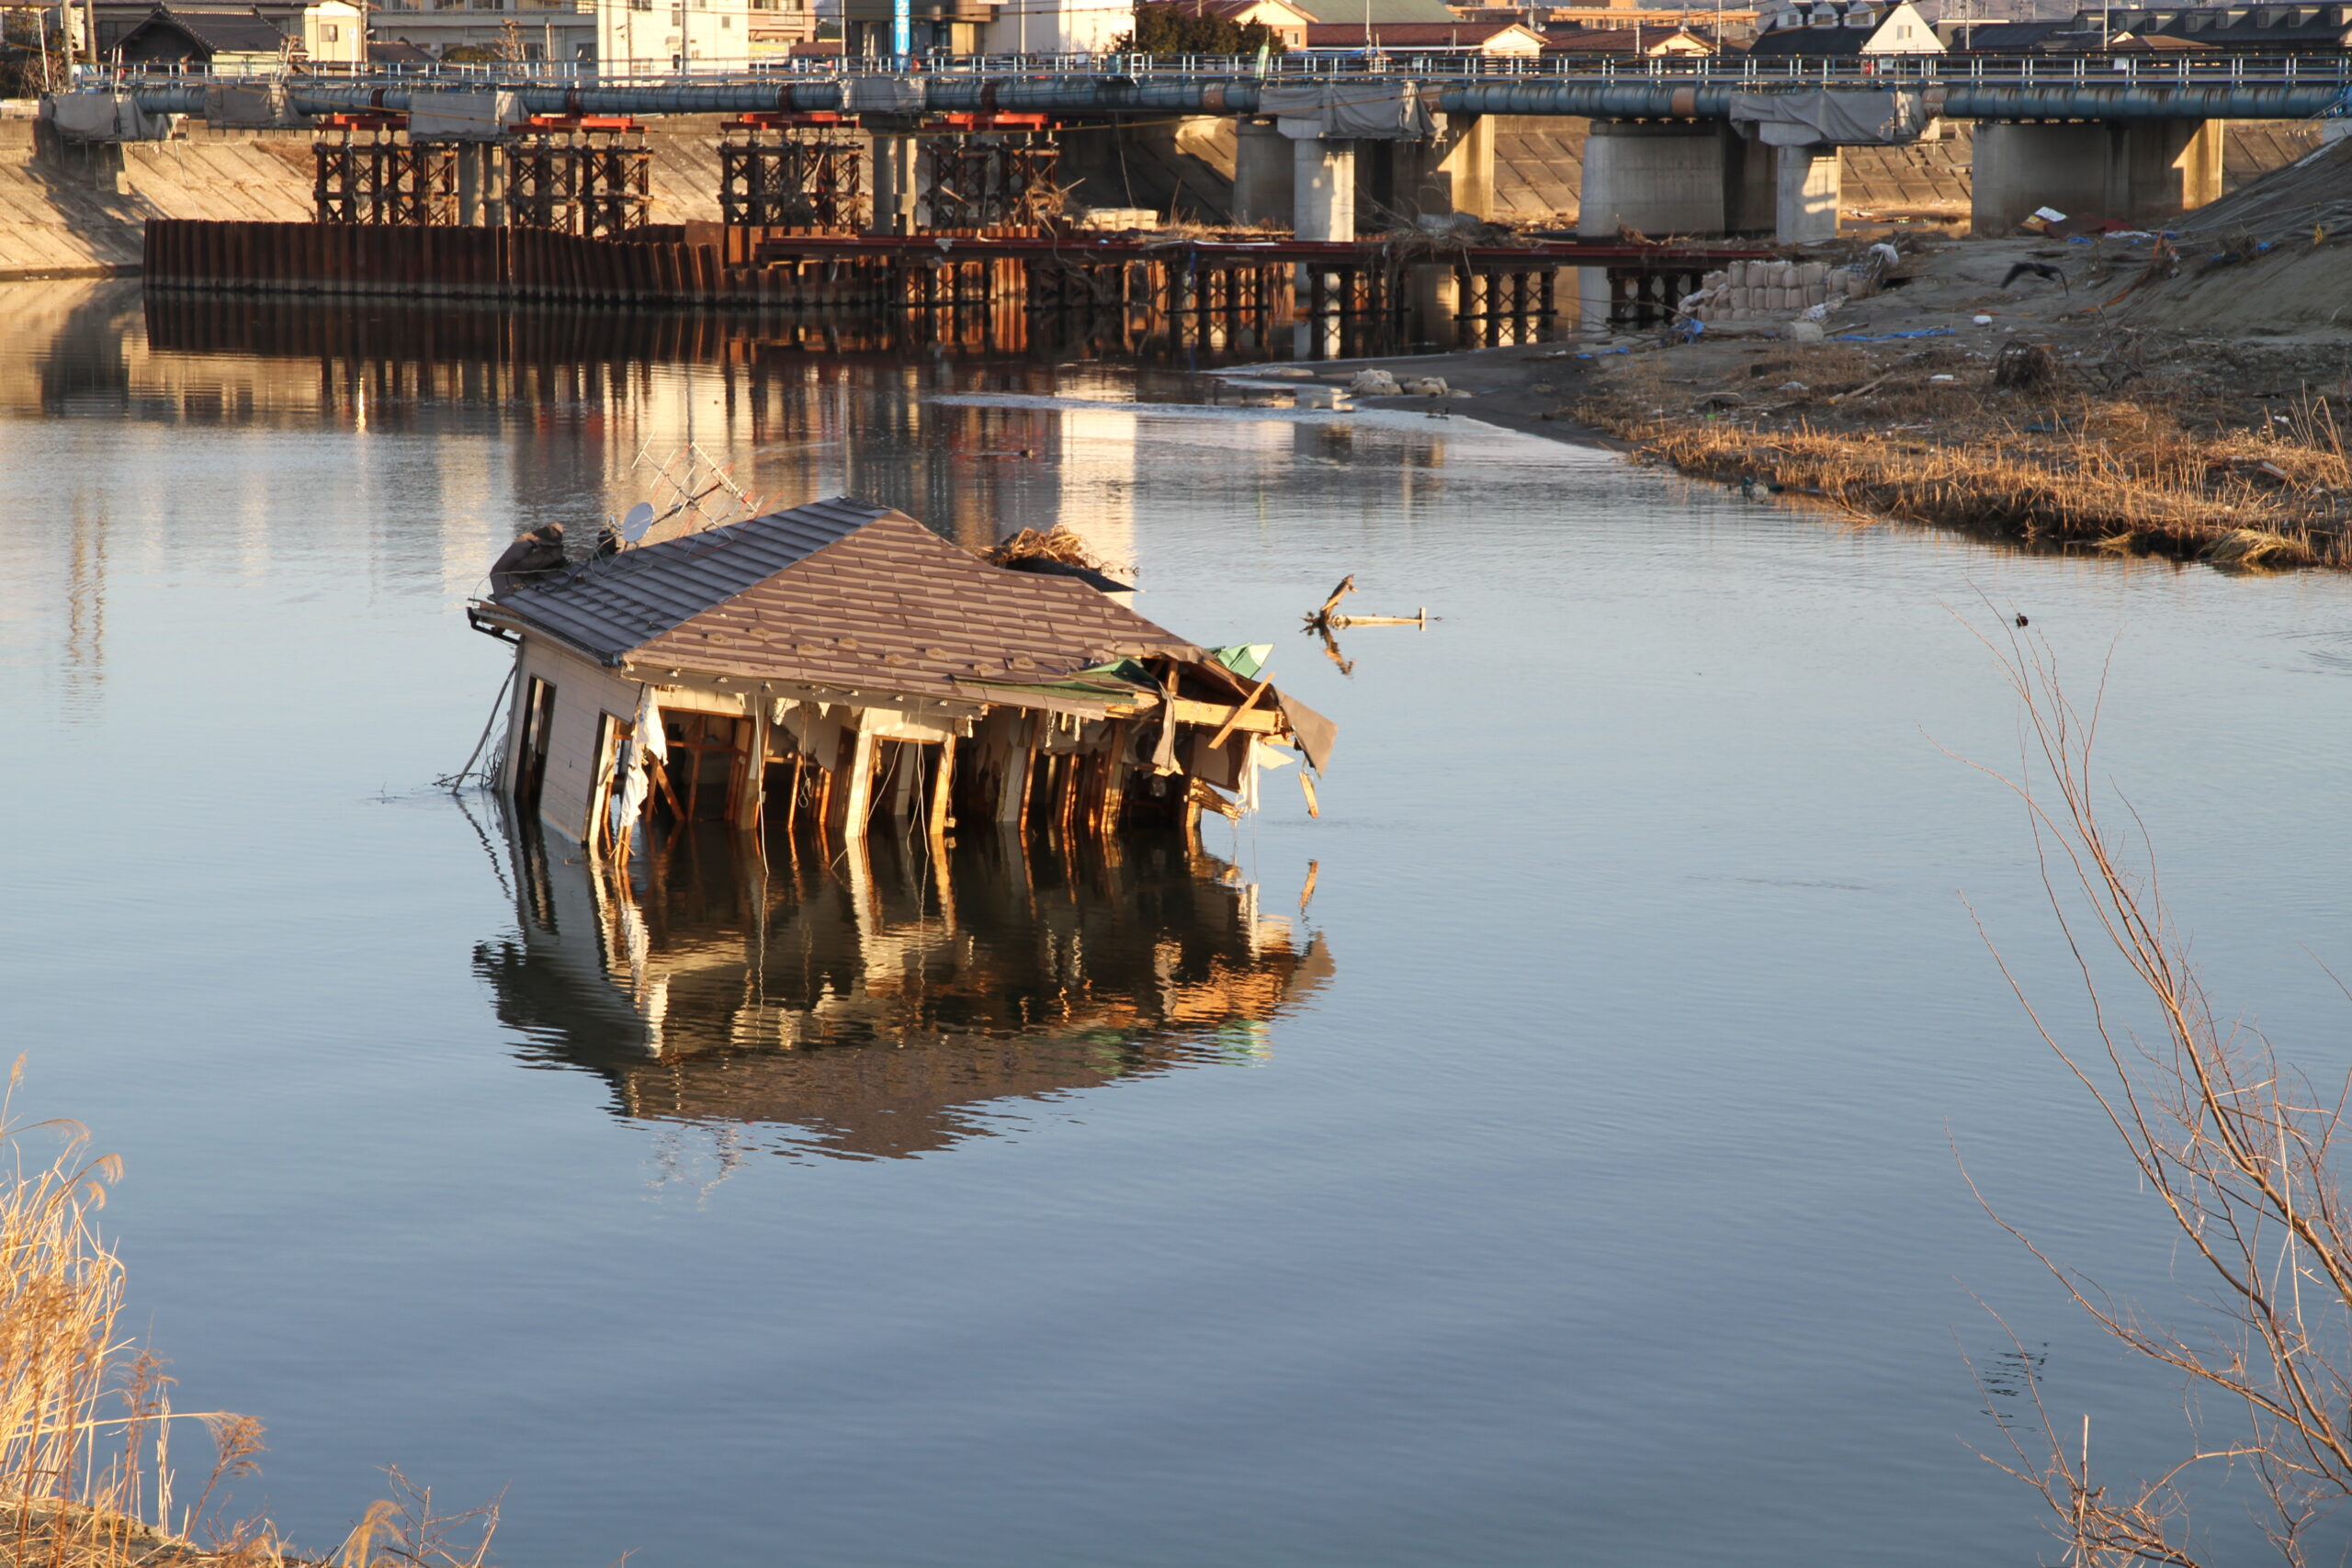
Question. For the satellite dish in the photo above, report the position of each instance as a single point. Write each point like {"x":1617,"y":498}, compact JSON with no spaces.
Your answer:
{"x":639,"y":518}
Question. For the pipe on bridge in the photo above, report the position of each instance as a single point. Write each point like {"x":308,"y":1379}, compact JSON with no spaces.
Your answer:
{"x":1960,"y":100}
{"x":1103,"y":94}
{"x":1661,"y":98}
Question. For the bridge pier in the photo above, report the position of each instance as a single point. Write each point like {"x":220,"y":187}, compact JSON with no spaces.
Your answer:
{"x":1452,"y":170}
{"x":1264,"y":173}
{"x":2137,"y":171}
{"x":896,"y":191}
{"x":1664,"y":177}
{"x":1806,"y":188}
{"x":1674,"y":177}
{"x":1323,"y":189}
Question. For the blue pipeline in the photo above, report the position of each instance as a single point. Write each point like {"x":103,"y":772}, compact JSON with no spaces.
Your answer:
{"x":1066,"y":95}
{"x":1960,"y":100}
{"x":1658,"y":99}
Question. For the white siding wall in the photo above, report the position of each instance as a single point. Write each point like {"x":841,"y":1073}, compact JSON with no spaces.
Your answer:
{"x":583,"y":693}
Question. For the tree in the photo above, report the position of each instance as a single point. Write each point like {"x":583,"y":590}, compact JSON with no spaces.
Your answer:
{"x":1192,"y":29}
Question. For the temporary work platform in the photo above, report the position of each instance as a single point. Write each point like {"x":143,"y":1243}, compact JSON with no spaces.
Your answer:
{"x":839,"y":663}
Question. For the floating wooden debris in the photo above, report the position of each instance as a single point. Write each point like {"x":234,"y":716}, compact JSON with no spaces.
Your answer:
{"x":823,"y":667}
{"x":1323,"y":620}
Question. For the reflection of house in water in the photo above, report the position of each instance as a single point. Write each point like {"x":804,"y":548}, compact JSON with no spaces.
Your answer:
{"x":875,"y":1006}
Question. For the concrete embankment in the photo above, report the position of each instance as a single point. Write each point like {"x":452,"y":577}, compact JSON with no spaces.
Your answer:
{"x":79,"y":211}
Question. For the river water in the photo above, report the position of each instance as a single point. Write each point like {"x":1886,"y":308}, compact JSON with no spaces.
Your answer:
{"x":1571,"y":1179}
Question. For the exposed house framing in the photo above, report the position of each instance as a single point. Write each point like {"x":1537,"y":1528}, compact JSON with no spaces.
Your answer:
{"x":839,"y":667}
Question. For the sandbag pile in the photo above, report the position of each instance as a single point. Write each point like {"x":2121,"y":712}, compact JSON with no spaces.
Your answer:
{"x":1751,"y":290}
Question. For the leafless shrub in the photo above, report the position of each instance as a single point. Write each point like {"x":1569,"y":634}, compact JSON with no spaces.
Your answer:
{"x":2233,"y":1145}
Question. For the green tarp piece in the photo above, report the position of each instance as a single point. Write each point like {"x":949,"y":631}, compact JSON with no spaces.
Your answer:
{"x":1244,"y":658}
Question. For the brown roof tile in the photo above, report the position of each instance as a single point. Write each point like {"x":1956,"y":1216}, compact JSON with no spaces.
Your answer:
{"x":837,"y":593}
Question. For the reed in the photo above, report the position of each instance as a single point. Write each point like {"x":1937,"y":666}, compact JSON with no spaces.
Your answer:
{"x":2137,"y":475}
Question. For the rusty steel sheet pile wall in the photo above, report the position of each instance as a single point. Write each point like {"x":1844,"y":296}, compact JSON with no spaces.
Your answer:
{"x":657,"y":265}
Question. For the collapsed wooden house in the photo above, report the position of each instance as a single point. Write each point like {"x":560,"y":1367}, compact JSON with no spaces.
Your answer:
{"x":838,"y":664}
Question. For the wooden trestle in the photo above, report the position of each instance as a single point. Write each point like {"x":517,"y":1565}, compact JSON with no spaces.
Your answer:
{"x":1197,"y":292}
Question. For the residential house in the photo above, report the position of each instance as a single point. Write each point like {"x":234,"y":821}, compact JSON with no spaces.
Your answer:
{"x":217,"y":40}
{"x":565,"y":31}
{"x":1705,"y":21}
{"x":652,"y":37}
{"x":1286,"y":21}
{"x":2233,"y":29}
{"x":334,"y":32}
{"x":1490,"y":39}
{"x":1626,"y":43}
{"x":1834,"y":27}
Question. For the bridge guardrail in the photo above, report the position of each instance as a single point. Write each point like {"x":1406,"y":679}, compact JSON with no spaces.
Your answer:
{"x":2118,"y":70}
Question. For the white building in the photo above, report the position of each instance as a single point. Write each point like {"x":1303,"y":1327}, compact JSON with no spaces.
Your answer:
{"x":334,"y":32}
{"x":1831,"y":28}
{"x":564,"y":32}
{"x":648,"y":37}
{"x":1058,"y":27}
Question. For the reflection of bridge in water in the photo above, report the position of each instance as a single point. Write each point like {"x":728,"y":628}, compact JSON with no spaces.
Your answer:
{"x":873,"y":1005}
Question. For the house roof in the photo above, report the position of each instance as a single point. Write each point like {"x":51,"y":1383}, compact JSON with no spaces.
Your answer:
{"x":1582,"y":39}
{"x":212,"y":31}
{"x":2008,"y":36}
{"x":2229,"y":27}
{"x":1240,"y":10}
{"x":1810,"y":41}
{"x":1383,"y":13}
{"x":839,"y":593}
{"x":1413,"y":35}
{"x":397,"y":51}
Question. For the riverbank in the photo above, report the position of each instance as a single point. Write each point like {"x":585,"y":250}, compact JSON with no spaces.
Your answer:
{"x":2087,"y":412}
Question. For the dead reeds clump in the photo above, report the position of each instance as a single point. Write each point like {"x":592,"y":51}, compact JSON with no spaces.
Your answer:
{"x":2045,"y":459}
{"x":86,"y":1424}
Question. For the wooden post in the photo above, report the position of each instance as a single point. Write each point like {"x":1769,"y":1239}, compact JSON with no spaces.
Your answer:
{"x":852,"y":791}
{"x":750,"y":793}
{"x":1114,"y":783}
{"x":943,"y":778}
{"x":902,"y":786}
{"x":1013,"y":791}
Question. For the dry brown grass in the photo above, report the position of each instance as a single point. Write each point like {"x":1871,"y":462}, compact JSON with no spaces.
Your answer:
{"x":1877,"y":435}
{"x":87,"y":1423}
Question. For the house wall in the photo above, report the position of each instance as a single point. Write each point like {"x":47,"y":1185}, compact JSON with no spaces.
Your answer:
{"x":1904,"y":31}
{"x":1057,"y":27}
{"x":585,"y":692}
{"x":334,"y":32}
{"x":641,"y":36}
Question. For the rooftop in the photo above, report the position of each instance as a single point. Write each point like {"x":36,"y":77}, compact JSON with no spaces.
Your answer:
{"x":838,"y":594}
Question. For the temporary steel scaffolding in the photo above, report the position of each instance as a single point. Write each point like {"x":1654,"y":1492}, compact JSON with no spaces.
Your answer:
{"x":792,"y":171}
{"x":369,"y":172}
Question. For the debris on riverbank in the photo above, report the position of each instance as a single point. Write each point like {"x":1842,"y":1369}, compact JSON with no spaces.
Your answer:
{"x":2196,"y":451}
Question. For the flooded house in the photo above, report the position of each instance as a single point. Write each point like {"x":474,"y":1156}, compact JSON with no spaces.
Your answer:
{"x":839,"y":667}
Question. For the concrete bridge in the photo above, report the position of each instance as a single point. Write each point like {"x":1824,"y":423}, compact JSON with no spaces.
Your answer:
{"x":1677,"y":146}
